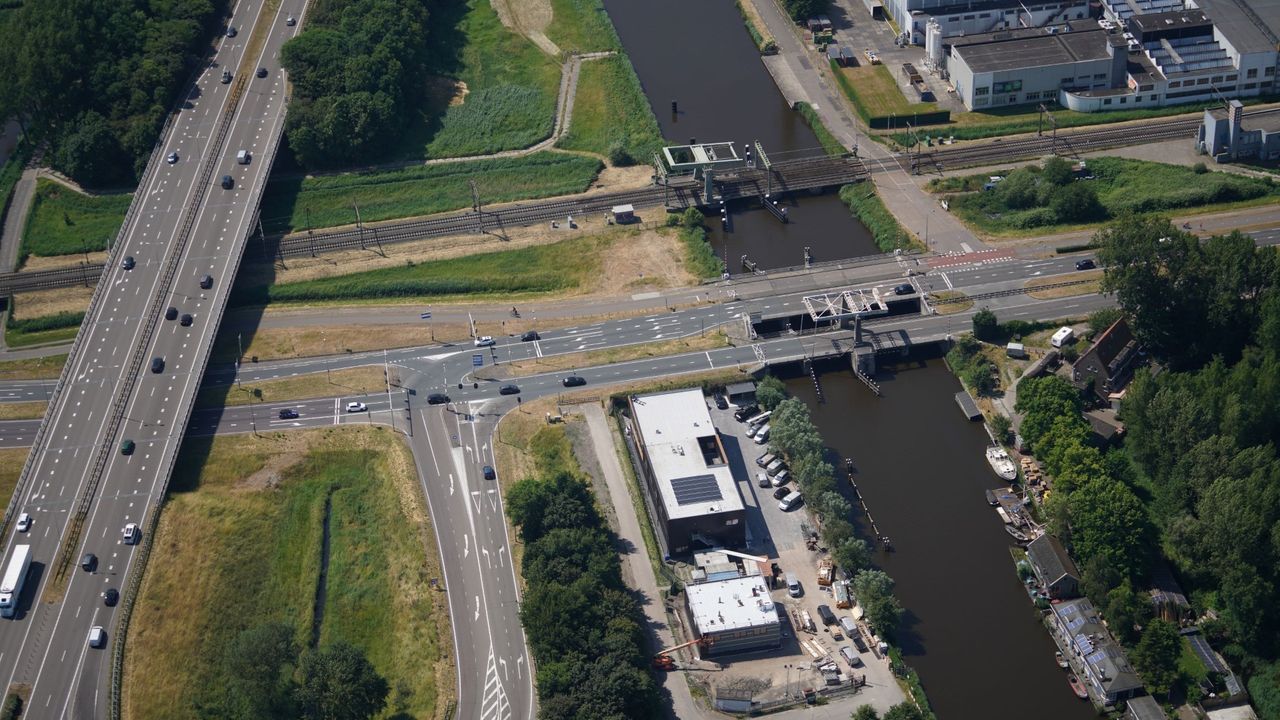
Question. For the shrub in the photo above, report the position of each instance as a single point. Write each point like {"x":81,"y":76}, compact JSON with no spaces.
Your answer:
{"x":494,"y":119}
{"x":864,"y":202}
{"x":985,"y":325}
{"x":1199,"y":168}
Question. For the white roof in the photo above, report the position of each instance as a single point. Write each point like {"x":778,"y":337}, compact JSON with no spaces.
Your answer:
{"x":732,"y":604}
{"x":624,"y":208}
{"x":690,"y":482}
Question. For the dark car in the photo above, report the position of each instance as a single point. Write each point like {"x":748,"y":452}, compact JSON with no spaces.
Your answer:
{"x":904,"y":289}
{"x":574,"y":381}
{"x":1085,"y":264}
{"x":741,"y":414}
{"x":489,"y":474}
{"x":288,"y":414}
{"x":857,"y":642}
{"x":171,"y":313}
{"x":722,"y":402}
{"x":127,"y":447}
{"x":226,"y":77}
{"x":206,"y":282}
{"x":110,"y":597}
{"x":290,"y":21}
{"x":228,"y":182}
{"x":186,"y":320}
{"x":231,"y":31}
{"x":262,"y":72}
{"x":781,"y":493}
{"x":531,"y":335}
{"x":828,"y":617}
{"x":89,"y":562}
{"x":509,"y":390}
{"x":437,"y":399}
{"x":128,"y":262}
{"x":157,"y":364}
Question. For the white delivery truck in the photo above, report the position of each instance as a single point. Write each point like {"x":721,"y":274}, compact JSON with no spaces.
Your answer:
{"x":15,"y":574}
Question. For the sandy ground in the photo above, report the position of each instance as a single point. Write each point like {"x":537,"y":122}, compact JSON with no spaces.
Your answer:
{"x":529,"y":18}
{"x":37,"y":262}
{"x":51,"y":302}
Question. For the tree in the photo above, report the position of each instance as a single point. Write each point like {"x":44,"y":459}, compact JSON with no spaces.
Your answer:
{"x":1076,"y":203}
{"x":1108,"y":522}
{"x":865,"y":712}
{"x":905,"y":710}
{"x":803,"y":9}
{"x":1100,"y":320}
{"x":1125,"y":611}
{"x":853,"y":554}
{"x":1001,"y":426}
{"x":874,"y":590}
{"x":692,"y":218}
{"x":91,"y":153}
{"x":1264,"y":691}
{"x":1057,"y":171}
{"x":1156,"y":656}
{"x":253,"y":677}
{"x":770,"y":391}
{"x":985,"y":325}
{"x":338,"y":683}
{"x":980,"y":377}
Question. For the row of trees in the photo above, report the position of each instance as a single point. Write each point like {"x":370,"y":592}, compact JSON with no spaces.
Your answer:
{"x":263,"y":675}
{"x":96,"y":79}
{"x":356,"y":71}
{"x":583,"y":625}
{"x":794,"y":435}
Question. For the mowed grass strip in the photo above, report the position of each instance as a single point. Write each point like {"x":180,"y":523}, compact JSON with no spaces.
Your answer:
{"x":595,"y":358}
{"x":348,"y":381}
{"x":11,"y":462}
{"x":1091,"y":286}
{"x":294,"y":204}
{"x":65,"y":222}
{"x":22,"y":411}
{"x":535,"y":269}
{"x":239,"y":544}
{"x":43,"y":368}
{"x":874,"y":92}
{"x":582,"y":26}
{"x":611,"y":115}
{"x":957,"y":302}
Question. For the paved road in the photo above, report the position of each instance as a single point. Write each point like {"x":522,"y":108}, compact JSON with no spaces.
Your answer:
{"x":76,"y":464}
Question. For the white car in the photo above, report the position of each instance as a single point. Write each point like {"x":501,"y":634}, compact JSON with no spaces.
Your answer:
{"x":762,"y":480}
{"x":130,"y":534}
{"x":97,"y":637}
{"x":24,"y":522}
{"x":484,"y":341}
{"x":356,"y":407}
{"x":290,"y":21}
{"x":172,"y":158}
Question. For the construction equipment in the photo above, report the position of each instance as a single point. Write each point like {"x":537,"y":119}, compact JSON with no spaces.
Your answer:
{"x":663,"y":661}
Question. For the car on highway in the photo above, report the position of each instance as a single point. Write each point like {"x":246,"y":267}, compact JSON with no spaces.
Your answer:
{"x":530,"y":336}
{"x":97,"y":637}
{"x":437,"y":399}
{"x":24,"y":522}
{"x":228,"y":182}
{"x":1085,"y":264}
{"x":509,"y":390}
{"x":262,"y":72}
{"x":157,"y":364}
{"x":356,"y":407}
{"x":288,"y":414}
{"x":127,"y":447}
{"x":231,"y":31}
{"x":290,"y":21}
{"x":244,"y":157}
{"x":574,"y":381}
{"x":88,"y":562}
{"x":741,"y":414}
{"x":722,"y":403}
{"x":226,"y":77}
{"x":128,"y":262}
{"x":206,"y":282}
{"x":781,"y":493}
{"x":904,"y":289}
{"x":110,"y":597}
{"x":484,"y":341}
{"x":130,"y":534}
{"x":186,"y":320}
{"x":489,"y":474}
{"x":172,"y":158}
{"x":171,"y":313}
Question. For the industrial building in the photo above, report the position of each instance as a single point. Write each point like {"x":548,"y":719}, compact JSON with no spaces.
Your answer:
{"x":733,"y":615}
{"x":1225,"y":136}
{"x":686,"y":472}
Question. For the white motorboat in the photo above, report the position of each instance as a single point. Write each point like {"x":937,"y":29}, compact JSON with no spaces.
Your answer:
{"x":1001,"y":463}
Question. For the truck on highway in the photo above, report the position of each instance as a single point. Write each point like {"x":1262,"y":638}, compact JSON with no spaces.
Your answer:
{"x":15,"y":574}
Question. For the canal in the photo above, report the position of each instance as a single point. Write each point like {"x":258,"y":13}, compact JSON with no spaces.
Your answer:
{"x":700,"y":55}
{"x":969,"y":630}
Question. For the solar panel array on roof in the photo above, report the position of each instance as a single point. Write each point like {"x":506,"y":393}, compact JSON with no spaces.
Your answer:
{"x":696,"y":489}
{"x":1188,"y":54}
{"x":1083,"y":644}
{"x":1097,"y":657}
{"x":1206,"y":654}
{"x":1125,"y":9}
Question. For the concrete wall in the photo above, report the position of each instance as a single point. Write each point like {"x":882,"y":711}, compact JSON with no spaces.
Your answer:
{"x":1037,"y":84}
{"x":728,"y":642}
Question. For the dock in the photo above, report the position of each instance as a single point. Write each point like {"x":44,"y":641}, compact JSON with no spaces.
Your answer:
{"x":968,"y":406}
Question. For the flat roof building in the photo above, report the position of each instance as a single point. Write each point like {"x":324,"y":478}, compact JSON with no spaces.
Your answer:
{"x":734,"y":615}
{"x":687,"y":472}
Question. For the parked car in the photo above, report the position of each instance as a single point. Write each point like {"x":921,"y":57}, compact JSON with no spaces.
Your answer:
{"x":128,"y":262}
{"x":781,"y":493}
{"x":765,"y":458}
{"x":722,"y":402}
{"x":574,"y":381}
{"x":437,"y":399}
{"x":741,"y":414}
{"x":1085,"y":264}
{"x":489,"y":474}
{"x":484,"y":341}
{"x":790,"y":502}
{"x":775,"y":467}
{"x":356,"y":407}
{"x":288,"y":414}
{"x":857,"y":641}
{"x":509,"y":390}
{"x":762,"y":480}
{"x":828,"y":617}
{"x":850,"y":656}
{"x":530,"y":336}
{"x":782,"y":478}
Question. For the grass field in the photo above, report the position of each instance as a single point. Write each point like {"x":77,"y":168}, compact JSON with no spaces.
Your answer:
{"x":44,"y":329}
{"x":874,"y":93}
{"x":611,"y":115}
{"x":43,"y":368}
{"x":1088,"y":288}
{"x":348,"y":381}
{"x":960,"y":302}
{"x":11,"y":462}
{"x":582,"y":26}
{"x":534,"y":269}
{"x":864,"y":202}
{"x":22,"y":411}
{"x":295,"y":204}
{"x":1023,"y":205}
{"x":595,"y":358}
{"x":238,"y":545}
{"x":65,"y":222}
{"x":829,"y":142}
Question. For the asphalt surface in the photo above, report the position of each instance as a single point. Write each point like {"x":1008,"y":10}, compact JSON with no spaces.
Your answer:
{"x":45,"y":646}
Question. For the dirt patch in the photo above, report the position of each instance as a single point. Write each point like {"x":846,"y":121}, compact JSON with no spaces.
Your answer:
{"x":55,"y":262}
{"x":51,"y":302}
{"x":447,"y":91}
{"x":268,"y":478}
{"x":529,"y":18}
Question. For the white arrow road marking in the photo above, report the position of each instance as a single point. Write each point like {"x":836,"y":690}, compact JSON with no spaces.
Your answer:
{"x":466,"y":545}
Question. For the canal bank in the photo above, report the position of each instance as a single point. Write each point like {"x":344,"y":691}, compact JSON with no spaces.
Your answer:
{"x":700,"y":56}
{"x":969,"y":630}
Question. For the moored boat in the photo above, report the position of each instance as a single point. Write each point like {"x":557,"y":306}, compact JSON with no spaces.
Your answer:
{"x":1016,"y":534}
{"x":991,"y":498}
{"x":1062,"y":661}
{"x":1078,"y":687}
{"x":1001,"y":463}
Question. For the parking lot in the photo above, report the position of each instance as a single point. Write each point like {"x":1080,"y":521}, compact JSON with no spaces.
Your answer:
{"x":780,"y":535}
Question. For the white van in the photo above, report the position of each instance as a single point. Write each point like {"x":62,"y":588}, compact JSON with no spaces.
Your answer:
{"x":243,"y":157}
{"x":793,"y":585}
{"x":762,"y":435}
{"x":781,"y":478}
{"x":790,"y":502}
{"x":775,"y":467}
{"x":850,"y":656}
{"x":848,"y":625}
{"x":760,"y":419}
{"x":97,"y":637}
{"x":1063,"y":336}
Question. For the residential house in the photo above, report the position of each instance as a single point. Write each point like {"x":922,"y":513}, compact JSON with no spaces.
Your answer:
{"x":1107,"y":366}
{"x":1107,"y":672}
{"x":1053,"y":567}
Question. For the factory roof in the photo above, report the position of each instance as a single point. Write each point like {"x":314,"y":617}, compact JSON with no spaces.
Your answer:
{"x":684,"y":451}
{"x":733,"y":604}
{"x":1249,"y":25}
{"x":1154,"y":22}
{"x":1003,"y":51}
